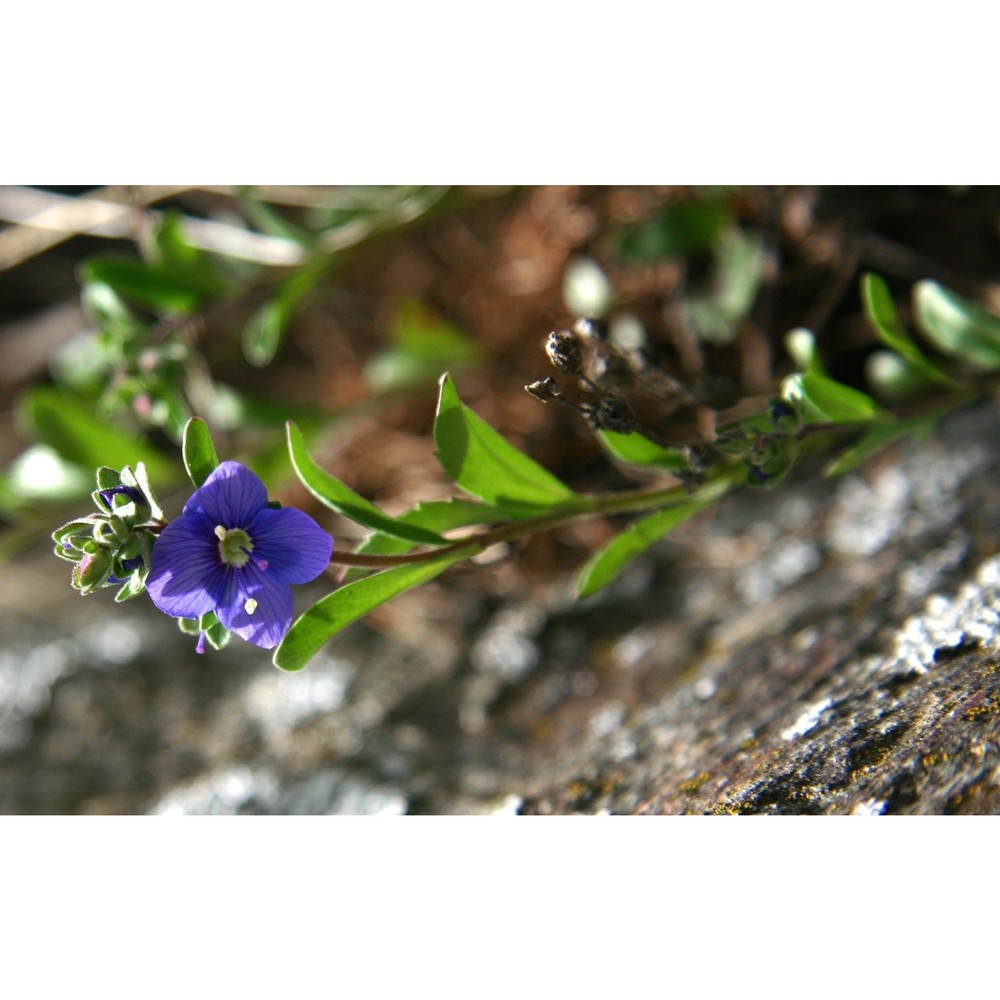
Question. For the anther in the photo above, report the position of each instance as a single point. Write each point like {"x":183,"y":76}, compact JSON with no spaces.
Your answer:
{"x":220,"y":532}
{"x":250,"y":606}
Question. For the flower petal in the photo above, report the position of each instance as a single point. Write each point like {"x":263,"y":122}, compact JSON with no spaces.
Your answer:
{"x":230,"y":496}
{"x":272,"y":614}
{"x":294,"y":546}
{"x":186,"y":576}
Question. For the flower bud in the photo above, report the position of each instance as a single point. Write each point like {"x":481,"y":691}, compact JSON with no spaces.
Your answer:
{"x":92,"y":572}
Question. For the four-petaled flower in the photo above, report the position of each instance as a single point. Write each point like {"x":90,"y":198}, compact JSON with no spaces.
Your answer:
{"x":229,"y":552}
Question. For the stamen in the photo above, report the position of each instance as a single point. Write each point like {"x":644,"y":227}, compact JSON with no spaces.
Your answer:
{"x":262,"y":564}
{"x":220,"y":532}
{"x":200,"y":648}
{"x":250,"y":606}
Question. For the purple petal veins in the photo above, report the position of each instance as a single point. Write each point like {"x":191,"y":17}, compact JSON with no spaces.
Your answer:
{"x":200,"y":565}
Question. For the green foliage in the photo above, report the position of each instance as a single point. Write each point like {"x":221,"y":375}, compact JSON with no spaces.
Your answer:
{"x":67,"y":425}
{"x":485,"y":465}
{"x":422,"y":346}
{"x":200,"y":458}
{"x":336,"y":495}
{"x":346,"y":605}
{"x":956,"y":326}
{"x":680,"y":229}
{"x":635,"y":449}
{"x":822,"y":400}
{"x":881,"y":313}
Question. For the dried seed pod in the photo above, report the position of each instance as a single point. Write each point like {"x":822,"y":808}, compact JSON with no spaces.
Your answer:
{"x":544,"y":389}
{"x":564,"y":352}
{"x":613,"y":414}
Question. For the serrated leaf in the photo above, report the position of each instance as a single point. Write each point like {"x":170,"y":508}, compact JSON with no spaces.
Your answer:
{"x":957,"y":326}
{"x":823,"y":400}
{"x":200,"y":457}
{"x":635,"y":449}
{"x":336,"y":495}
{"x":338,"y":610}
{"x":881,"y":313}
{"x":608,"y":562}
{"x":489,"y":467}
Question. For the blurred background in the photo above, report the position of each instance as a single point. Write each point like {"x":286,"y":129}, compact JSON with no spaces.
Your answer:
{"x":125,"y":310}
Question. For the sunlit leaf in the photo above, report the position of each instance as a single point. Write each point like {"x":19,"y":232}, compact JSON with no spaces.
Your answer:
{"x":635,"y":449}
{"x":487,"y":466}
{"x":609,"y":561}
{"x":957,"y":326}
{"x":823,"y":400}
{"x":881,"y":313}
{"x":142,"y":282}
{"x":200,"y":456}
{"x":336,"y":611}
{"x":336,"y":495}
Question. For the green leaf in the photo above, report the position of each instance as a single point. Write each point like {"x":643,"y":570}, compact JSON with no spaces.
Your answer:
{"x":822,"y":400}
{"x":487,"y":466}
{"x":881,"y":313}
{"x":334,"y":494}
{"x":337,"y":610}
{"x":175,"y":259}
{"x":200,"y":457}
{"x":264,"y":330}
{"x":423,"y":344}
{"x":635,"y":449}
{"x":607,"y":563}
{"x":736,"y":277}
{"x":143,"y":283}
{"x":68,"y":425}
{"x":878,"y":438}
{"x":682,"y":228}
{"x":957,"y":326}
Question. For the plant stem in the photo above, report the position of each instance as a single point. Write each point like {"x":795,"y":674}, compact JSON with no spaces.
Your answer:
{"x":586,"y":506}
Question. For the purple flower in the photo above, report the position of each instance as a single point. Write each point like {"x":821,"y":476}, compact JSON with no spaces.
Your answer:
{"x":230,"y":553}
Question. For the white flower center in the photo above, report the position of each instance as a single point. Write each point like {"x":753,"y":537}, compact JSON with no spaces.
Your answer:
{"x":235,"y":546}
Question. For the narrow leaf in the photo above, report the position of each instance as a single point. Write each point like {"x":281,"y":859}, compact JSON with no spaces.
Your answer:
{"x":337,"y":610}
{"x":487,"y":466}
{"x":607,"y":563}
{"x":635,"y":449}
{"x":143,"y":283}
{"x":957,"y":326}
{"x":336,"y":495}
{"x":68,"y":425}
{"x":200,"y":457}
{"x":878,"y":438}
{"x":881,"y":313}
{"x":824,"y":400}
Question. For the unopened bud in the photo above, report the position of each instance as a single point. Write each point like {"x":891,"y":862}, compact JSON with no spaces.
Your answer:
{"x":92,"y":572}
